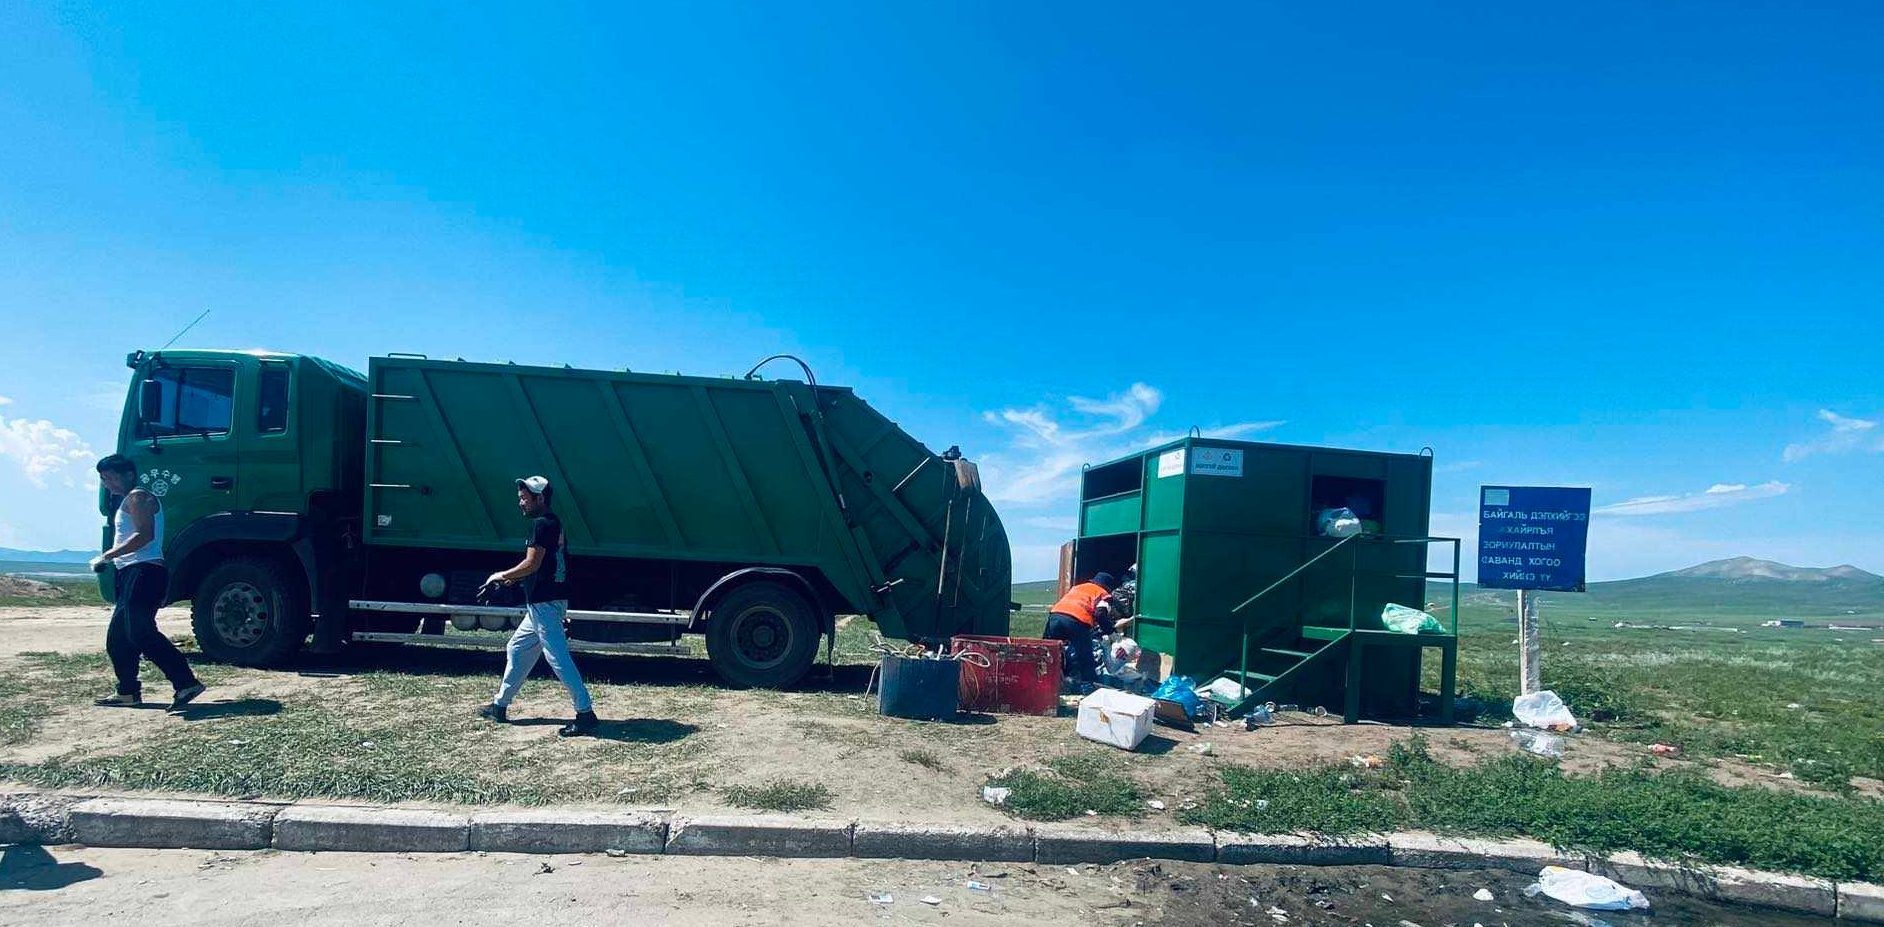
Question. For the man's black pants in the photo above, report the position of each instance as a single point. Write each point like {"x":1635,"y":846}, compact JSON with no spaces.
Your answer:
{"x":133,"y":632}
{"x":1077,"y":635}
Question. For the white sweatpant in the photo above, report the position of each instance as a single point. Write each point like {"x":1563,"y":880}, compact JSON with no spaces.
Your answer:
{"x":541,"y":634}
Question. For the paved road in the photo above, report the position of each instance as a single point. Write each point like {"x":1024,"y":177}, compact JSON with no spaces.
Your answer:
{"x":70,"y":885}
{"x":66,"y":886}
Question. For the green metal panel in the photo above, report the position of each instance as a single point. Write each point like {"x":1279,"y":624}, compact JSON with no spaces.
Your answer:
{"x":689,"y":468}
{"x":1111,"y":515}
{"x":1165,"y":489}
{"x":1159,"y":575}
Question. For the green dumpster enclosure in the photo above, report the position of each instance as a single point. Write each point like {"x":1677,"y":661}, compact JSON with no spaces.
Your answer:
{"x":1239,"y":579}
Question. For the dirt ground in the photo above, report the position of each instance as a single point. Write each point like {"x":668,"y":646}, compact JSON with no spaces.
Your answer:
{"x":876,"y":767}
{"x":70,"y":885}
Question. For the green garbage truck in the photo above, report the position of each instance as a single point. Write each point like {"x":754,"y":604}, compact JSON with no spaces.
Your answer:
{"x":306,"y":502}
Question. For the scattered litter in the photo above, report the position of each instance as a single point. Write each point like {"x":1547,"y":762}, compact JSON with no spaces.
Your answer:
{"x":1203,"y":749}
{"x":1258,"y":716}
{"x":1545,"y":710}
{"x":1586,"y":890}
{"x":1539,"y":743}
{"x":1665,"y":750}
{"x":883,"y":898}
{"x":1406,"y":923}
{"x":1404,"y":620}
{"x":235,"y":743}
{"x":1278,"y":915}
{"x":1369,"y":761}
{"x":616,"y":852}
{"x":575,"y":862}
{"x":367,"y":744}
{"x":995,"y":795}
{"x":1385,"y":897}
{"x":931,"y":900}
{"x":1224,"y":689}
{"x":975,"y":886}
{"x":1483,"y":894}
{"x":1794,"y":705}
{"x":545,"y":869}
{"x":629,"y":790}
{"x":1155,"y":805}
{"x":1091,"y":813}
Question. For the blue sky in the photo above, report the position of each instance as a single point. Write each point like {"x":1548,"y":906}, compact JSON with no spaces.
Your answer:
{"x":1635,"y":249}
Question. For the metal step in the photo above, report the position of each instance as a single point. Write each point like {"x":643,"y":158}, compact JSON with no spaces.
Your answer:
{"x":498,"y":611}
{"x":1296,"y":655}
{"x":497,"y":643}
{"x":1261,"y":679}
{"x":1318,"y":633}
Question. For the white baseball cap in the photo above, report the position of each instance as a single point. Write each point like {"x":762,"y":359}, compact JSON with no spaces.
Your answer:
{"x":535,"y":484}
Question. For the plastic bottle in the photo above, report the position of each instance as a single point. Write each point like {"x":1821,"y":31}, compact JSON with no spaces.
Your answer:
{"x":1538,"y":742}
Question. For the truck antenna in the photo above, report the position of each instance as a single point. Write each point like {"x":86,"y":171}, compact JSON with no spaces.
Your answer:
{"x":185,"y":331}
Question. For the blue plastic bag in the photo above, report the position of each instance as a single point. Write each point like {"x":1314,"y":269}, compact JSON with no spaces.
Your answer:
{"x":1182,"y":690}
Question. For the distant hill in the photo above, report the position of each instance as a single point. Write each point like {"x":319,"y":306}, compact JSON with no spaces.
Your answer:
{"x":1749,"y":569}
{"x":46,"y":556}
{"x":1741,"y":586}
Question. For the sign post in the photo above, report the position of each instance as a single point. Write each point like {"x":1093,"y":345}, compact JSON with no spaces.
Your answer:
{"x":1532,"y":539}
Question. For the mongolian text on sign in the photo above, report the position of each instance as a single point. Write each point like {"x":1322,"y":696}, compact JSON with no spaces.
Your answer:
{"x":1216,"y":461}
{"x":1533,"y":537}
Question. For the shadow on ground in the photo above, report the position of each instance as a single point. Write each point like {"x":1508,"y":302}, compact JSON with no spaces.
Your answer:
{"x":604,"y":668}
{"x":32,"y":869}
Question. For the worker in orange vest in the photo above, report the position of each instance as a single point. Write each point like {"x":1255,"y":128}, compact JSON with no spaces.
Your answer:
{"x":1074,"y":619}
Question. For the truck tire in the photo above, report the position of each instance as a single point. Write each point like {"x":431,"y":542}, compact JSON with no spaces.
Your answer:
{"x":762,"y":635}
{"x":250,"y":611}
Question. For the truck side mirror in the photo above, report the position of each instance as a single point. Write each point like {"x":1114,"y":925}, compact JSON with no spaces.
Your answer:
{"x":150,"y":401}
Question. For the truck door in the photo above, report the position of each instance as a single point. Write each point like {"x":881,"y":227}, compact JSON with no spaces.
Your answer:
{"x":270,"y":476}
{"x":184,"y":450}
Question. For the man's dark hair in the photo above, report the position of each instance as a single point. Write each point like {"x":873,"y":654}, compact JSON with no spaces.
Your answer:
{"x":117,"y":463}
{"x":547,"y":492}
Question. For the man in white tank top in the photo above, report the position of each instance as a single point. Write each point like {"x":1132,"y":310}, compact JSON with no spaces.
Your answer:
{"x":141,"y":584}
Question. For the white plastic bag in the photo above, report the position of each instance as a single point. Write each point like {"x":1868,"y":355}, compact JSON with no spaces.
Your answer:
{"x":1584,"y":890}
{"x":1543,"y":709}
{"x":1337,"y":523}
{"x":1409,"y":620}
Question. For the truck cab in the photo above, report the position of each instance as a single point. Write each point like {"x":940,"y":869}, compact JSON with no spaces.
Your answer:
{"x":254,"y":456}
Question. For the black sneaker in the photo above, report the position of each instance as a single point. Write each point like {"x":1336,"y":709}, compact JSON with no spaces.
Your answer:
{"x":185,"y":696}
{"x":585,"y":723}
{"x":120,"y":700}
{"x":497,"y":713}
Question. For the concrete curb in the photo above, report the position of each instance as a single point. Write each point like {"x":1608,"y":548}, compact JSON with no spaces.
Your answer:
{"x":879,"y":840}
{"x":1861,"y":901}
{"x":757,"y":835}
{"x":52,"y":818}
{"x":1299,"y":850}
{"x":161,"y":824}
{"x":371,"y":830}
{"x":1082,"y":845}
{"x":547,"y":831}
{"x":1724,"y":883}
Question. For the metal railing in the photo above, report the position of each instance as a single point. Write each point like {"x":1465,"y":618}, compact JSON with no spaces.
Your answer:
{"x":1353,"y":583}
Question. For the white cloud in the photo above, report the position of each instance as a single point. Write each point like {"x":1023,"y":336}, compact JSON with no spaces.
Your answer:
{"x":1719,"y":495}
{"x":44,"y":451}
{"x":1051,"y":446}
{"x":5,"y":401}
{"x":1230,"y":432}
{"x":1846,"y":434}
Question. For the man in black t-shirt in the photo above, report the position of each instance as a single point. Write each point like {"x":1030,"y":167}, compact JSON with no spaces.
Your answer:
{"x":544,"y":577}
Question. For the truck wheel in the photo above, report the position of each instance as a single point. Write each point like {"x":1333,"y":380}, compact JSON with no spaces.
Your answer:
{"x":251,"y":612}
{"x":762,"y":635}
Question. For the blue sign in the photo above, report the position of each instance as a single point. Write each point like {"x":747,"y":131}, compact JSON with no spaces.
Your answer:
{"x":1532,"y":537}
